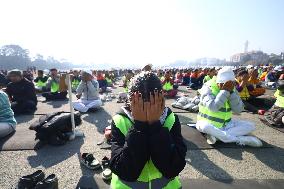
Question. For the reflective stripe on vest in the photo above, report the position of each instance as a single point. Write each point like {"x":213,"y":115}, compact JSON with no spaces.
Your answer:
{"x":168,"y":86}
{"x":279,"y":99}
{"x":54,"y":87}
{"x":150,"y":176}
{"x":219,"y":118}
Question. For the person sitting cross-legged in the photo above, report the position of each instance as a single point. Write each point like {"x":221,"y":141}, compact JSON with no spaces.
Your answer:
{"x":40,"y":81}
{"x":169,"y":88}
{"x":244,"y":89}
{"x":21,"y":93}
{"x":7,"y":120}
{"x":87,"y":93}
{"x":53,"y":85}
{"x":218,"y":99}
{"x":147,"y":146}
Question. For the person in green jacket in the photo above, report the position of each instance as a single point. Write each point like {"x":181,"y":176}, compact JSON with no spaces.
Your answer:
{"x":147,"y":146}
{"x":211,"y":73}
{"x":40,"y":81}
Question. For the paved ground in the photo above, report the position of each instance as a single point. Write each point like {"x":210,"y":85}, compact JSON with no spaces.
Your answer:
{"x":222,"y":165}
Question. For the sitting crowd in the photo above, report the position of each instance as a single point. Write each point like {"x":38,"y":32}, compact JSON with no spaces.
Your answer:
{"x":147,"y":144}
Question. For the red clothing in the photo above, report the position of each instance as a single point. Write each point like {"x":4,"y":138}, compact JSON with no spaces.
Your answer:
{"x":194,"y":75}
{"x":100,"y":77}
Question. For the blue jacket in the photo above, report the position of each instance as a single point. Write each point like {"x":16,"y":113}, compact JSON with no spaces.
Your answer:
{"x":6,"y":113}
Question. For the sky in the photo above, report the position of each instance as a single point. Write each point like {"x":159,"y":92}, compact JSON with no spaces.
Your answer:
{"x":130,"y":32}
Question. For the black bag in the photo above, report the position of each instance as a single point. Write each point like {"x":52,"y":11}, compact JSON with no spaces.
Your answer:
{"x":274,"y":116}
{"x":52,"y":128}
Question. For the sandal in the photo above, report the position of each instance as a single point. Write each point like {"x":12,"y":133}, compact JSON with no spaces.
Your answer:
{"x":89,"y":161}
{"x":106,"y":174}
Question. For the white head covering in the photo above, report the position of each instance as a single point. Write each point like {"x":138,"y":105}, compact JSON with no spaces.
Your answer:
{"x":225,"y":74}
{"x":88,"y":72}
{"x":249,"y":66}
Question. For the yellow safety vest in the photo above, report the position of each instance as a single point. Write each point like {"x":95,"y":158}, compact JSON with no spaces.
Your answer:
{"x":54,"y":87}
{"x":108,"y":80}
{"x":39,"y":83}
{"x":279,"y":99}
{"x":244,"y":94}
{"x":168,"y":86}
{"x":219,"y":118}
{"x":75,"y":83}
{"x":206,"y":78}
{"x":150,"y":177}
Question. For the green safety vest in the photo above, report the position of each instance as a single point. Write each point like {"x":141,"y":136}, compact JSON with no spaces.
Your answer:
{"x":168,"y":86}
{"x":279,"y":99}
{"x":219,"y":118}
{"x":75,"y":83}
{"x":150,"y":177}
{"x":108,"y":80}
{"x":206,"y":78}
{"x":54,"y":87}
{"x":40,"y":83}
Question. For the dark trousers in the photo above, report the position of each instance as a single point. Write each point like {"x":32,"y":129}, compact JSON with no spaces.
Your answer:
{"x":249,"y":106}
{"x":54,"y":96}
{"x":25,"y":107}
{"x":102,"y":85}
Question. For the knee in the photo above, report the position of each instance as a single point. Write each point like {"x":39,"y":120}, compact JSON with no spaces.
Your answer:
{"x":250,"y":126}
{"x":203,"y":126}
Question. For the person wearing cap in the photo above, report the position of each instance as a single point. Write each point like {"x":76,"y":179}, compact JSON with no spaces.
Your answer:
{"x":53,"y":85}
{"x":218,"y":100}
{"x":87,"y":93}
{"x":40,"y":81}
{"x":21,"y":92}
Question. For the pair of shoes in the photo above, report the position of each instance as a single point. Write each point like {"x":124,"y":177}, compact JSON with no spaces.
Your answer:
{"x":37,"y":180}
{"x":92,"y":163}
{"x":249,"y":141}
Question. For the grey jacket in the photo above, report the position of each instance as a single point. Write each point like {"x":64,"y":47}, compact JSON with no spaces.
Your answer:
{"x":89,"y":90}
{"x":214,"y":103}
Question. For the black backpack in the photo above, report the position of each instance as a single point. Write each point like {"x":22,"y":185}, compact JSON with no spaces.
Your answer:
{"x":52,"y":128}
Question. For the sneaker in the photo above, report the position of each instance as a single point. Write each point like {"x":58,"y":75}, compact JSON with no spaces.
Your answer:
{"x":210,"y":139}
{"x":89,"y":161}
{"x":249,"y":141}
{"x":50,"y":182}
{"x":106,"y":175}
